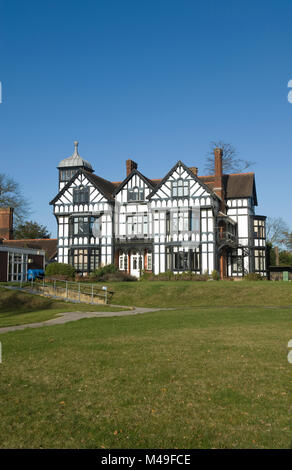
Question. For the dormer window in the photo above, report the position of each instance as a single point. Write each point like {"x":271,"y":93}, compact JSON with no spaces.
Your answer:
{"x":180,"y":188}
{"x":81,"y":195}
{"x":136,"y":194}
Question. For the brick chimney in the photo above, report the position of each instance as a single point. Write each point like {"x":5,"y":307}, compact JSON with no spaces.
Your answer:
{"x":130,"y":166}
{"x":6,"y":223}
{"x":218,"y":187}
{"x":194,"y":169}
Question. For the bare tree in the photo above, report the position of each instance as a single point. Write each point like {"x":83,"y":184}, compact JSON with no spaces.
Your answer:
{"x":11,"y":196}
{"x":276,"y":231}
{"x":288,"y":240}
{"x":230,"y":161}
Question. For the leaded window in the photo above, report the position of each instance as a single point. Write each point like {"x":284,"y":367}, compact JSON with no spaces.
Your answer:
{"x":137,"y":225}
{"x":259,"y":260}
{"x":136,"y":194}
{"x":183,"y":260}
{"x":94,"y":258}
{"x":81,"y":195}
{"x":80,"y":259}
{"x":180,"y":221}
{"x":66,"y":175}
{"x":259,"y":228}
{"x":123,"y":262}
{"x":237,"y":262}
{"x":84,"y":226}
{"x":84,"y":259}
{"x":149,"y":262}
{"x":180,"y":188}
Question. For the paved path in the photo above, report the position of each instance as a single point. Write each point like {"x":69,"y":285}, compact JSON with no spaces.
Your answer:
{"x":62,"y":318}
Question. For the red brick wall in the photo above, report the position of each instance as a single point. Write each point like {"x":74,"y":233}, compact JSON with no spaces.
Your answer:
{"x":6,"y":223}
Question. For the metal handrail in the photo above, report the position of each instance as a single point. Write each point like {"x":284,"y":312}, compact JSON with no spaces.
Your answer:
{"x":68,"y":287}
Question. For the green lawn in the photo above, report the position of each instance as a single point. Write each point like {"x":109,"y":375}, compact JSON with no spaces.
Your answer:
{"x":17,"y":308}
{"x":190,"y":378}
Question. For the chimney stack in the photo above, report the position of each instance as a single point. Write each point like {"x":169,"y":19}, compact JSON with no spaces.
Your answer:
{"x":130,"y":166}
{"x":194,"y":169}
{"x":6,"y":223}
{"x":218,"y":188}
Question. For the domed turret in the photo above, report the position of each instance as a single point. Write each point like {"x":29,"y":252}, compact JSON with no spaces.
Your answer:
{"x":70,"y":165}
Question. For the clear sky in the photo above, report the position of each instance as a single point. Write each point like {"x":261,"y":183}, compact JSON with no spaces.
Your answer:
{"x":154,"y":80}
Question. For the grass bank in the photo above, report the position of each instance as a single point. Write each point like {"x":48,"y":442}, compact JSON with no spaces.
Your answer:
{"x":188,"y":293}
{"x":17,"y":308}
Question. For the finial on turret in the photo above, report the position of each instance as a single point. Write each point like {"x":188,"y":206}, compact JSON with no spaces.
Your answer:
{"x":76,"y":147}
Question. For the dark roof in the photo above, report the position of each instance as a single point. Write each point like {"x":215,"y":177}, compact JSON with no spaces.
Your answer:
{"x":106,"y":187}
{"x":240,"y":185}
{"x":49,"y":245}
{"x":236,"y":185}
{"x":134,"y":172}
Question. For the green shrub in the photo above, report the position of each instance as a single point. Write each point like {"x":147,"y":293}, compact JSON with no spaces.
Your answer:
{"x":253,"y":277}
{"x":215,"y":275}
{"x":110,"y":273}
{"x":63,"y":270}
{"x":170,"y":276}
{"x":98,"y":273}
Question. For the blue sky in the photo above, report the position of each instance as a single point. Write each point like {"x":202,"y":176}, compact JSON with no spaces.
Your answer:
{"x":152,"y":80}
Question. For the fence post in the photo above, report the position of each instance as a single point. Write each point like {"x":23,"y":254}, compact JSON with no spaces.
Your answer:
{"x":104,"y":288}
{"x":66,"y":289}
{"x":92,"y":293}
{"x":79,"y":291}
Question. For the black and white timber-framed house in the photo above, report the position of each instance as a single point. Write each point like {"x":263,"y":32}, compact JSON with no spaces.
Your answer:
{"x":182,"y":222}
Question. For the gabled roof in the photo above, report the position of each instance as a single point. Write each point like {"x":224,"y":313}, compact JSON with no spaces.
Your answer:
{"x":236,"y":185}
{"x":105,"y":187}
{"x":190,"y":172}
{"x":49,"y":245}
{"x":149,"y":183}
